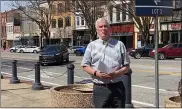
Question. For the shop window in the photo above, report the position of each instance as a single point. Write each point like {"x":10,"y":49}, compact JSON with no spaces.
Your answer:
{"x":53,"y":23}
{"x":60,"y":22}
{"x":68,"y":22}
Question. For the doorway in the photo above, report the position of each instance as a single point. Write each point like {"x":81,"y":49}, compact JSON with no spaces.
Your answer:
{"x":174,"y":37}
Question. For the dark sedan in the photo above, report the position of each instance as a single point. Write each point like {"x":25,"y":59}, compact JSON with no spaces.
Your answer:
{"x":54,"y":54}
{"x":143,"y":51}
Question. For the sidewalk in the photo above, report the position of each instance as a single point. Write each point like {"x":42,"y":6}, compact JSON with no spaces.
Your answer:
{"x":22,"y":95}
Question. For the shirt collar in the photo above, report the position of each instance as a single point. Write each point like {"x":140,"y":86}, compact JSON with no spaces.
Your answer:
{"x":105,"y":42}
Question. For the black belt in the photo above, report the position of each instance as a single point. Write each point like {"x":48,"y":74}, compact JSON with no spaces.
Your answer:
{"x":107,"y":85}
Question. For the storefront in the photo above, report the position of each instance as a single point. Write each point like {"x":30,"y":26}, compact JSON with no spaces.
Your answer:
{"x":171,"y":32}
{"x":124,"y":33}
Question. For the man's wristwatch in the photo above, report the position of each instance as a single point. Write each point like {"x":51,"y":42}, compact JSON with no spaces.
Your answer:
{"x":95,"y":73}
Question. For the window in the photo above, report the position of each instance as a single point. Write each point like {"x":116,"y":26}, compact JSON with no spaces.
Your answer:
{"x":129,"y":8}
{"x":16,"y":19}
{"x":60,"y":22}
{"x":110,"y":13}
{"x":180,"y":46}
{"x":77,"y":21}
{"x":53,"y":23}
{"x":123,"y":13}
{"x":53,"y":7}
{"x":82,"y":21}
{"x":67,"y":7}
{"x":60,"y":5}
{"x":68,"y":22}
{"x":117,"y":13}
{"x":175,"y":46}
{"x":11,"y":29}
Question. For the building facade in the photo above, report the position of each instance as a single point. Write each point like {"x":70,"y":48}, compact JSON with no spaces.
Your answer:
{"x":171,"y":27}
{"x":30,"y":32}
{"x":123,"y":28}
{"x":81,"y":32}
{"x":62,"y":23}
{"x":13,"y":24}
{"x":3,"y":28}
{"x":121,"y":25}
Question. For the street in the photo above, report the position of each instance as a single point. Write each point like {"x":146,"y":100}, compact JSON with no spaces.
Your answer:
{"x":143,"y":75}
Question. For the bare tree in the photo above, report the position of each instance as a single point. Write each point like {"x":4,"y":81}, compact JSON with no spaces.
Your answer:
{"x":90,"y":10}
{"x":39,"y":11}
{"x":142,"y":23}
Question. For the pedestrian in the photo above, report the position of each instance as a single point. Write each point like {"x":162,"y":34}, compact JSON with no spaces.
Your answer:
{"x":4,"y":45}
{"x":106,"y":60}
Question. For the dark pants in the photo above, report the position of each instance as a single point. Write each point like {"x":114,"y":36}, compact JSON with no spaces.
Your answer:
{"x":109,"y":96}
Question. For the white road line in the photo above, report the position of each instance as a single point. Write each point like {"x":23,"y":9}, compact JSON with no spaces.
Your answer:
{"x":142,"y":103}
{"x":138,"y":86}
{"x":25,"y":78}
{"x":48,"y":72}
{"x":144,"y":87}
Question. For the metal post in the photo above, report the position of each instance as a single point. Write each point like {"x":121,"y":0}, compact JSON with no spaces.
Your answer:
{"x":127,"y":84}
{"x":70,"y":76}
{"x":156,"y":64}
{"x":37,"y":85}
{"x":14,"y":78}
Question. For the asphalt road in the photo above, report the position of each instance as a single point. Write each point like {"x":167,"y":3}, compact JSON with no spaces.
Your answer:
{"x":143,"y":76}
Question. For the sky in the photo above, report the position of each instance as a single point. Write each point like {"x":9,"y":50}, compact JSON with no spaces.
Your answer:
{"x":5,"y":6}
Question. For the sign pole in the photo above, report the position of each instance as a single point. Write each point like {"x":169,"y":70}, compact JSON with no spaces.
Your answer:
{"x":156,"y":64}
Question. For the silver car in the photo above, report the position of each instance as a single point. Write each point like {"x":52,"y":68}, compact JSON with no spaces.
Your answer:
{"x":29,"y":49}
{"x":15,"y":48}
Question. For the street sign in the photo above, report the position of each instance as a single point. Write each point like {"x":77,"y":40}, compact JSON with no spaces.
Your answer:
{"x":153,"y":7}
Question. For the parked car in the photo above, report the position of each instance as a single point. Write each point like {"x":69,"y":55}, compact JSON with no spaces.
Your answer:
{"x":172,"y":50}
{"x":72,"y":49}
{"x":80,"y":51}
{"x":143,"y":51}
{"x":28,"y":49}
{"x":54,"y":54}
{"x":15,"y":48}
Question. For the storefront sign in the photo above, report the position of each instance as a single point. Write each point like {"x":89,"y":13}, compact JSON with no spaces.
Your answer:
{"x":122,"y":28}
{"x":176,"y":26}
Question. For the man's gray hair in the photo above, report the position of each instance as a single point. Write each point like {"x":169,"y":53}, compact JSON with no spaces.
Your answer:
{"x":100,"y":20}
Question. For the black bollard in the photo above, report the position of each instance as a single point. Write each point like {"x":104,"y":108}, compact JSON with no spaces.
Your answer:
{"x":70,"y":76}
{"x":1,"y":76}
{"x":127,"y":84}
{"x":14,"y":79}
{"x":37,"y":85}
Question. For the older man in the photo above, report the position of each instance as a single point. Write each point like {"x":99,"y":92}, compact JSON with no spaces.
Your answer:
{"x":106,"y":60}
